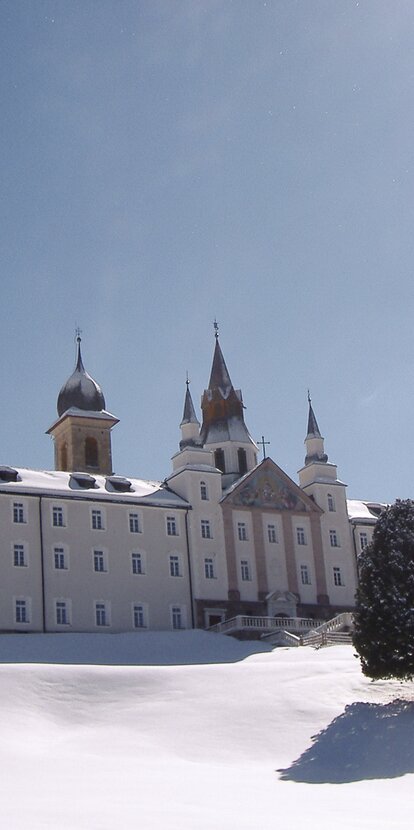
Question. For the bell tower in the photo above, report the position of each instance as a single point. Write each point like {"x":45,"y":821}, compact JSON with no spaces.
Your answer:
{"x":82,"y":433}
{"x":223,"y":429}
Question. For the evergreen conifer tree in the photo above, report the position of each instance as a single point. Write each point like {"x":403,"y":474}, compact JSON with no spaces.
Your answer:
{"x":384,"y":615}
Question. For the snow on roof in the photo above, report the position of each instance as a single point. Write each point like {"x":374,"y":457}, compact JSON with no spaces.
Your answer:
{"x":37,"y":482}
{"x":364,"y":510}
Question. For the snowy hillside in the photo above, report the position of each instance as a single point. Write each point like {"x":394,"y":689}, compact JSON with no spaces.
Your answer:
{"x":294,"y":738}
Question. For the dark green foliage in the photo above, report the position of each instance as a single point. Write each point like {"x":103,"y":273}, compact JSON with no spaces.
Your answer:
{"x":384,"y":617}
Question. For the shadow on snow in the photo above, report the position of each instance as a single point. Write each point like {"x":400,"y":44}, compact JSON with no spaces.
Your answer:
{"x":369,"y":740}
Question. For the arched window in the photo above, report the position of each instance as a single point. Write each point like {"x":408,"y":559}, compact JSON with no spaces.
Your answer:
{"x":331,"y":503}
{"x":91,"y":452}
{"x":219,"y":460}
{"x":203,"y":491}
{"x":242,"y":458}
{"x":64,"y":457}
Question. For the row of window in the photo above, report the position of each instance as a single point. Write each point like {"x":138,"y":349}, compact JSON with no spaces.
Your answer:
{"x":272,"y":535}
{"x":97,"y":519}
{"x":102,"y":613}
{"x":99,"y":560}
{"x":305,"y":575}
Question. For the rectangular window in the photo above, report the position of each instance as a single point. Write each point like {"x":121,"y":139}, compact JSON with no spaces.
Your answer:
{"x":134,"y":526}
{"x":62,"y":613}
{"x":57,"y":517}
{"x":363,"y":540}
{"x":272,"y":533}
{"x":171,"y":526}
{"x":60,"y":559}
{"x":175,"y":565}
{"x":206,"y":529}
{"x":337,"y":576}
{"x":18,"y":513}
{"x":300,"y":536}
{"x":99,"y":563}
{"x":203,"y":491}
{"x":209,"y":568}
{"x":22,"y":611}
{"x":245,"y":570}
{"x":138,"y":613}
{"x":331,"y":503}
{"x":101,"y":614}
{"x":137,"y":563}
{"x":19,"y":556}
{"x":334,"y":539}
{"x":242,"y":531}
{"x":97,"y":520}
{"x":177,"y":617}
{"x":305,"y":575}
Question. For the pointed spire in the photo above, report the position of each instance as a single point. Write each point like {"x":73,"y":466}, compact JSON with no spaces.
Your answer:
{"x":219,"y":378}
{"x":313,"y":429}
{"x":79,"y":367}
{"x":189,"y":415}
{"x":315,"y":451}
{"x":80,"y":390}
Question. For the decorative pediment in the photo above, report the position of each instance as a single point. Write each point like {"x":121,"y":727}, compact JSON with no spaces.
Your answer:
{"x":269,"y":487}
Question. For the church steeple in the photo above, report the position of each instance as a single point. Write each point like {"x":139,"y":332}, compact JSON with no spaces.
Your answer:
{"x":82,"y":433}
{"x":190,"y":425}
{"x":315,"y":450}
{"x":223,"y":429}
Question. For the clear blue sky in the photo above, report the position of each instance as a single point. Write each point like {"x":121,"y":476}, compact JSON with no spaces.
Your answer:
{"x":165,"y":163}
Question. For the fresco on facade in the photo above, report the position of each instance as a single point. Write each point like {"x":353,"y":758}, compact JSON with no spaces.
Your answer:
{"x":267,"y":489}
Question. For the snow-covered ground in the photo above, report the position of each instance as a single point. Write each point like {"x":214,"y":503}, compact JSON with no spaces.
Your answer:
{"x":290,"y":738}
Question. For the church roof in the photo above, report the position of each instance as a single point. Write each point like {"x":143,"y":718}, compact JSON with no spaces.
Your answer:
{"x":80,"y":390}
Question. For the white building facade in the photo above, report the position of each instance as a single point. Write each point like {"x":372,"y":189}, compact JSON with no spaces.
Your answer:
{"x":85,"y":550}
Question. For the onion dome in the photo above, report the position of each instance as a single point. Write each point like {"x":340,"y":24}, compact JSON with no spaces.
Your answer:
{"x":80,"y":390}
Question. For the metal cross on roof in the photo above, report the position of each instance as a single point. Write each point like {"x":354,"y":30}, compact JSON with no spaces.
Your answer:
{"x":263,"y":442}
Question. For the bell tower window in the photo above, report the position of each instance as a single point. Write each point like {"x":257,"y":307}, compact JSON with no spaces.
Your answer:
{"x":64,"y":457}
{"x":91,"y":452}
{"x":219,"y":460}
{"x":242,"y":459}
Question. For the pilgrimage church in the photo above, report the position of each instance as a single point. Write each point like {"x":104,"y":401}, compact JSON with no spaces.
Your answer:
{"x":223,"y":536}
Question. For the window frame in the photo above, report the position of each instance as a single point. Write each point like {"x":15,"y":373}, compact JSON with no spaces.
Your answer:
{"x":137,"y":563}
{"x":305,"y":575}
{"x":102,"y":613}
{"x":97,"y":519}
{"x":22,"y":608}
{"x":242,"y":532}
{"x":58,"y":512}
{"x":245,"y":570}
{"x":209,"y":567}
{"x":19,"y":512}
{"x":20,"y":559}
{"x":175,"y":565}
{"x":60,"y":555}
{"x":171,"y":525}
{"x":100,"y":556}
{"x":301,"y":538}
{"x":272,"y":534}
{"x":338,"y":577}
{"x":334,"y":538}
{"x":134,"y":522}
